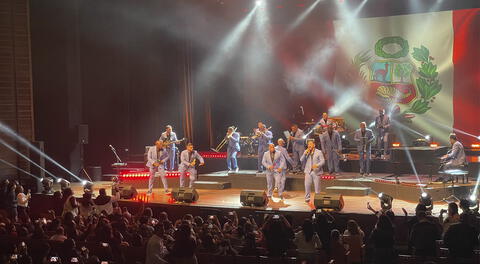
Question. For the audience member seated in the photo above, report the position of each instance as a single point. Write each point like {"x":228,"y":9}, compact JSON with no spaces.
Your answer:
{"x":59,"y":235}
{"x":183,"y":250}
{"x":452,"y":217}
{"x":277,"y":234}
{"x":156,"y":250}
{"x":307,"y":242}
{"x":353,"y":237}
{"x":423,"y":236}
{"x":70,"y":204}
{"x":104,"y":202}
{"x":382,"y":238}
{"x":337,"y":250}
{"x":461,"y":239}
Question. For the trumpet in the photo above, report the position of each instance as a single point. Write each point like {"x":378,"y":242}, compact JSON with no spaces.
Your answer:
{"x":224,"y":141}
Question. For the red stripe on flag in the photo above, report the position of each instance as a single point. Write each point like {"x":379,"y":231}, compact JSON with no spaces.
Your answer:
{"x":466,"y":60}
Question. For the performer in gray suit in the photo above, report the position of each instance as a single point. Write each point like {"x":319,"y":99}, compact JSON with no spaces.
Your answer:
{"x":382,"y":126}
{"x":188,"y":160}
{"x":169,"y":137}
{"x":156,"y":158}
{"x":274,"y":162}
{"x":455,"y":157}
{"x":364,"y":138}
{"x":313,"y":160}
{"x":331,"y":144}
{"x":298,"y":146}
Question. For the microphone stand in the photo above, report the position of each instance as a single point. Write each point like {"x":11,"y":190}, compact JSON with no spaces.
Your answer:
{"x":116,"y":155}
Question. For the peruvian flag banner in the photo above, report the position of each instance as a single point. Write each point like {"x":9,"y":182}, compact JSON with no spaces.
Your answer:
{"x":422,"y":68}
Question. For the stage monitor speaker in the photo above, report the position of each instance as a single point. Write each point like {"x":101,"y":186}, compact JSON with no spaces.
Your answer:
{"x":126,"y":191}
{"x":186,"y":195}
{"x":253,"y":198}
{"x":330,"y":201}
{"x":83,"y":134}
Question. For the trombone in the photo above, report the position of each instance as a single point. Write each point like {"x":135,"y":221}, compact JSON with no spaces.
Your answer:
{"x":223,"y":142}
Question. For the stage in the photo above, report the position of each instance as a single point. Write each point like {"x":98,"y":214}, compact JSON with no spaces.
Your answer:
{"x":228,"y":199}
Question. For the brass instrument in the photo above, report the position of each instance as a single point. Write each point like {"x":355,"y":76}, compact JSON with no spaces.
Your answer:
{"x":224,"y":141}
{"x":258,"y":133}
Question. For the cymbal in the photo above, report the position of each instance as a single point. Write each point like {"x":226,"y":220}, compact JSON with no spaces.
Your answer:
{"x":308,"y":123}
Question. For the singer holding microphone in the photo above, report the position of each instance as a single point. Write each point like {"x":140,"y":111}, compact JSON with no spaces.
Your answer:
{"x":313,"y":160}
{"x":233,"y":147}
{"x":188,"y":160}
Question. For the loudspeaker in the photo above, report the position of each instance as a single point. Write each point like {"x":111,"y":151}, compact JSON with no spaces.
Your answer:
{"x":331,"y":201}
{"x":186,"y":195}
{"x":126,"y":191}
{"x":253,"y":198}
{"x":83,"y":134}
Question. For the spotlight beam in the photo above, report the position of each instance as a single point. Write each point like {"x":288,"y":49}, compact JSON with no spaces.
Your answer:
{"x":302,"y":16}
{"x":25,"y":157}
{"x":410,"y":160}
{"x":20,"y":169}
{"x":226,"y":47}
{"x":22,"y":140}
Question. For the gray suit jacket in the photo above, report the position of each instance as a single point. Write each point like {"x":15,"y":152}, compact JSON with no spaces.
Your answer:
{"x":369,"y":138}
{"x":456,"y":155}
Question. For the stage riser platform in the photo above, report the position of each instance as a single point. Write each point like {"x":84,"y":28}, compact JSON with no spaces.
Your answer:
{"x":377,"y":166}
{"x":295,"y":182}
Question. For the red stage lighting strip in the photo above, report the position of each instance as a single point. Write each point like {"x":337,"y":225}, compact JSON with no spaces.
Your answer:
{"x":136,"y":175}
{"x":213,"y":154}
{"x":328,"y":177}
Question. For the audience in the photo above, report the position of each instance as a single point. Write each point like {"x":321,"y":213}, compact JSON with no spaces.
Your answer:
{"x":338,"y":253}
{"x":423,"y":236}
{"x":353,"y":237}
{"x":22,"y":203}
{"x":452,"y":217}
{"x":461,"y":239}
{"x":91,"y":231}
{"x":307,"y":242}
{"x":382,"y":238}
{"x":59,"y":235}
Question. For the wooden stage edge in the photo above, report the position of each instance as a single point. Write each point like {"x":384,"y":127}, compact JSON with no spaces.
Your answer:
{"x":230,"y":199}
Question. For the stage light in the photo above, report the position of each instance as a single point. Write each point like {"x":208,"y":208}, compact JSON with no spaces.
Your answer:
{"x":258,"y":2}
{"x":63,"y":183}
{"x":475,"y":145}
{"x":386,"y":201}
{"x":344,"y":136}
{"x":426,"y":200}
{"x":395,"y":144}
{"x":427,"y":137}
{"x":47,"y":185}
{"x":433,"y":145}
{"x":473,"y":198}
{"x":478,"y":137}
{"x":87,"y":186}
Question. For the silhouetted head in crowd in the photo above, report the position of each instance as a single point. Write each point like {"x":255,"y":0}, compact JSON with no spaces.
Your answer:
{"x":464,"y":205}
{"x":452,"y":209}
{"x":352,"y":227}
{"x":335,"y":235}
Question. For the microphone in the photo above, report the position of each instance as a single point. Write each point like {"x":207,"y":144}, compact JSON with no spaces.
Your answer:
{"x":303,"y":113}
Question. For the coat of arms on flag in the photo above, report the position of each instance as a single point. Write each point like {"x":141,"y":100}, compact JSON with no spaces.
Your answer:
{"x":399,"y":79}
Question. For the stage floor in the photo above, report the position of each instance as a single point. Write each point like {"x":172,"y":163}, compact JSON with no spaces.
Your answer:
{"x":230,"y":198}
